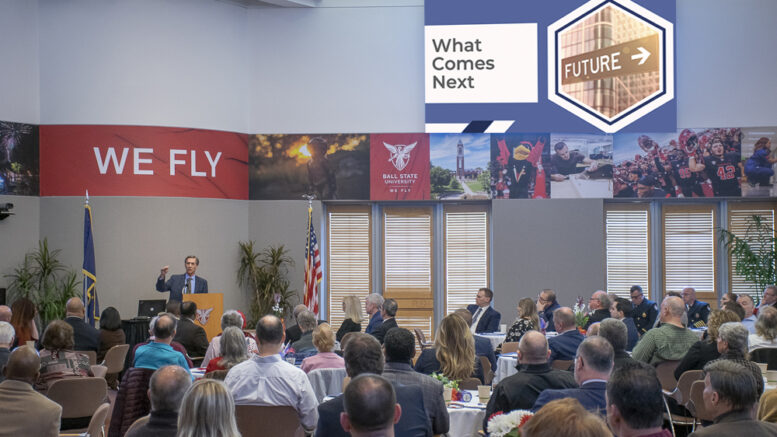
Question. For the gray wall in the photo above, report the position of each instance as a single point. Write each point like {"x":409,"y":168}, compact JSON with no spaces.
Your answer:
{"x":18,"y":233}
{"x":538,"y":244}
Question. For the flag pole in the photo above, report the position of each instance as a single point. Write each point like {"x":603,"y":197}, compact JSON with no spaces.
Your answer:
{"x":306,"y":299}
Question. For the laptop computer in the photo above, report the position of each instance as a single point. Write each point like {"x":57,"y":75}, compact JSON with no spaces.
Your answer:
{"x":150,"y":308}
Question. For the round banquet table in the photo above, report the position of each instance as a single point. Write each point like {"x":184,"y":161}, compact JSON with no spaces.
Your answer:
{"x":466,"y":418}
{"x":505,"y":366}
{"x":496,"y":338}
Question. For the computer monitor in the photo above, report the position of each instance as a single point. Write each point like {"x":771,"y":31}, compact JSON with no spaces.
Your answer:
{"x":150,"y":308}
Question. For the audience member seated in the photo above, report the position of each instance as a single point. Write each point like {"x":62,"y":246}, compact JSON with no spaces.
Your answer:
{"x":527,"y":320}
{"x":111,"y":333}
{"x":23,"y":411}
{"x":173,"y":308}
{"x":353,"y":317}
{"x":399,"y":349}
{"x":159,"y":353}
{"x":546,"y":306}
{"x":371,"y":408}
{"x":483,"y":347}
{"x":324,"y":341}
{"x":363,"y":355}
{"x":293,"y":333}
{"x":266,"y":379}
{"x":564,"y":345}
{"x":621,"y":309}
{"x":729,"y":394}
{"x":86,"y":337}
{"x":765,"y":329}
{"x":645,"y":311}
{"x":5,"y":313}
{"x":671,"y":340}
{"x":166,"y":389}
{"x":58,"y":360}
{"x":208,"y":410}
{"x":600,"y":306}
{"x":388,"y":313}
{"x":520,"y":391}
{"x":635,"y":405}
{"x":307,"y":323}
{"x":705,"y":350}
{"x":732,"y":345}
{"x":372,"y":305}
{"x":616,"y":333}
{"x":233,"y":350}
{"x":23,"y":321}
{"x":484,"y":318}
{"x":229,"y":318}
{"x":175,"y":345}
{"x":747,"y":303}
{"x":453,"y":354}
{"x":593,"y":365}
{"x":736,"y":308}
{"x":567,"y":418}
{"x":767,"y":406}
{"x":6,"y":340}
{"x":698,"y":311}
{"x":593,"y":330}
{"x":190,"y":335}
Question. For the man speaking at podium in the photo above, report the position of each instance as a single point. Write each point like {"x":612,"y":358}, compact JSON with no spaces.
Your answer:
{"x":178,"y":285}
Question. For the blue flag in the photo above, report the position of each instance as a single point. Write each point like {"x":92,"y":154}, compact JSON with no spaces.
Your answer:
{"x":89,"y":271}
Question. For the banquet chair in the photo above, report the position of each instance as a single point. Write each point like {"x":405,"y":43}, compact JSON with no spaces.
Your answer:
{"x":766,"y":355}
{"x":79,"y":397}
{"x":509,"y":347}
{"x":665,"y":373}
{"x":422,"y":339}
{"x":114,"y":358}
{"x":138,"y":423}
{"x":326,"y":382}
{"x":96,"y":424}
{"x":561,"y":364}
{"x":681,"y":395}
{"x":255,"y":420}
{"x":488,"y":374}
{"x":696,"y":404}
{"x":92,"y":356}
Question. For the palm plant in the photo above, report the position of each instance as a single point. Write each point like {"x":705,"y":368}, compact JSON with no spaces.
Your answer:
{"x":265,"y":275}
{"x":753,"y":253}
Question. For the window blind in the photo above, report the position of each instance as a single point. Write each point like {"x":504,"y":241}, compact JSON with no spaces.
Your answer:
{"x":689,"y":249}
{"x":348,"y":264}
{"x":466,"y":257}
{"x":627,"y":250}
{"x":738,"y":223}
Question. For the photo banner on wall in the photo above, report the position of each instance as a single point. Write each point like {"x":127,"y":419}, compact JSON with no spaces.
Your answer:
{"x":19,"y":166}
{"x":556,"y":66}
{"x":520,"y":166}
{"x":143,"y":161}
{"x":581,"y":166}
{"x":399,"y":165}
{"x":460,"y":166}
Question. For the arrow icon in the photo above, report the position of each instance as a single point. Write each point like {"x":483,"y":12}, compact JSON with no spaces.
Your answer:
{"x":643,"y":55}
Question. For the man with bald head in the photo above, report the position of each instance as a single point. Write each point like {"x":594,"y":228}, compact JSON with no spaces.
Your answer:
{"x":671,"y":340}
{"x":5,"y":313}
{"x":86,"y":337}
{"x":564,"y":345}
{"x":23,"y":411}
{"x":166,"y":389}
{"x":521,"y":390}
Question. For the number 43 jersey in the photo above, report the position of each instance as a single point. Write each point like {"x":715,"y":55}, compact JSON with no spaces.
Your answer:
{"x":724,"y":173}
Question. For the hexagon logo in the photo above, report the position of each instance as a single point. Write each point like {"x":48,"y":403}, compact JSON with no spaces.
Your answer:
{"x":610,"y":63}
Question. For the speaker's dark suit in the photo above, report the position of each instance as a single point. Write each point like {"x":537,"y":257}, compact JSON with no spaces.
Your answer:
{"x":176,"y":283}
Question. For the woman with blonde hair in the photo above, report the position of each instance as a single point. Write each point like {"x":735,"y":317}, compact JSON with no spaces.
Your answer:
{"x":324,"y":341}
{"x":353,"y":317}
{"x":453,"y":354}
{"x":207,"y":410}
{"x":527,"y":320}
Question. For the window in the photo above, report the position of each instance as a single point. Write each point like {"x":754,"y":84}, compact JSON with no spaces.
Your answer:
{"x":466,"y":255}
{"x":348,"y":262}
{"x":738,"y":223}
{"x":689,"y":249}
{"x":627,"y":241}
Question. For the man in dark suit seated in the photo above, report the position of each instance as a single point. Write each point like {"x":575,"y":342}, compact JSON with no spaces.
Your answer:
{"x":600,"y":304}
{"x":483,"y":346}
{"x":388,"y":313}
{"x":190,"y":335}
{"x":519,"y":391}
{"x":363,"y":355}
{"x":698,"y":311}
{"x":178,"y":285}
{"x":592,"y":370}
{"x":371,"y":407}
{"x":86,"y":337}
{"x":294,"y":333}
{"x":730,"y":391}
{"x":399,"y":348}
{"x":546,"y":305}
{"x":484,"y":318}
{"x":564,"y":345}
{"x":635,"y":405}
{"x":615,"y":332}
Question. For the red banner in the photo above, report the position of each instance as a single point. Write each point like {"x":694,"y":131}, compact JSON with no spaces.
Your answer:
{"x":143,"y":161}
{"x":399,"y":167}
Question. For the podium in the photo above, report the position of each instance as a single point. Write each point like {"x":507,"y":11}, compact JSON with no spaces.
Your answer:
{"x":210,"y":307}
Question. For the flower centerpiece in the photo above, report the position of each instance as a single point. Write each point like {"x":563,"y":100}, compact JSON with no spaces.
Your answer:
{"x":449,"y":383}
{"x":508,"y":425}
{"x":581,"y":318}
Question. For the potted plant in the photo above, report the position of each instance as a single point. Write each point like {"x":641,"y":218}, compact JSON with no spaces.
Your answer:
{"x":753,"y":254}
{"x":43,"y":279}
{"x":581,"y":318}
{"x":265,"y":274}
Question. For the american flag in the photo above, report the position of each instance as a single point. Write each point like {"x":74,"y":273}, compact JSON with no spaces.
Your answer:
{"x":312,"y":267}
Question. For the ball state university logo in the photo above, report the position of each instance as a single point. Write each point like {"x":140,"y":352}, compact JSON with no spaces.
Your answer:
{"x":400,"y":154}
{"x":203,"y":315}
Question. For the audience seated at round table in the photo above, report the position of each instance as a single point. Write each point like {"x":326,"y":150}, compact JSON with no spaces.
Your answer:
{"x":324,"y":341}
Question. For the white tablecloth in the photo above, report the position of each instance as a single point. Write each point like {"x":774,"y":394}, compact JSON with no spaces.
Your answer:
{"x":505,"y":366}
{"x":467,"y":420}
{"x":496,"y":338}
